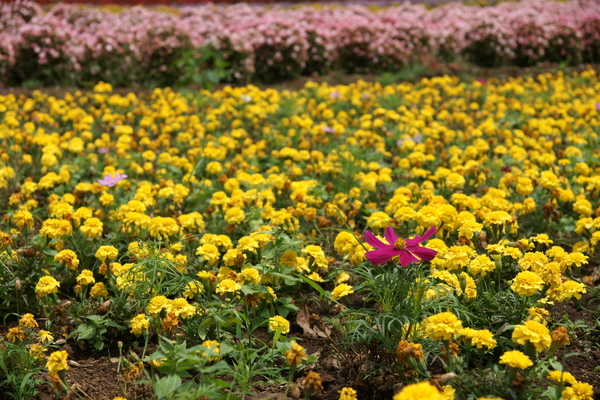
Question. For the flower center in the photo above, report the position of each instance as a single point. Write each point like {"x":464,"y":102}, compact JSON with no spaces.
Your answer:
{"x":400,"y":244}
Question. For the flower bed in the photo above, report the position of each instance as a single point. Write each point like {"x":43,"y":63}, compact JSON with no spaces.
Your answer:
{"x":415,"y":228}
{"x":74,"y":45}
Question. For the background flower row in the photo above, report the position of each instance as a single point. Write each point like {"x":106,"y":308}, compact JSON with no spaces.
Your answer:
{"x":71,"y":44}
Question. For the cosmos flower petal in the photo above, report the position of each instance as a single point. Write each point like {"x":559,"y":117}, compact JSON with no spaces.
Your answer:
{"x":374,"y":241}
{"x":423,"y":253}
{"x":418,"y":239}
{"x":407,"y":258}
{"x":390,"y":235}
{"x":378,"y":257}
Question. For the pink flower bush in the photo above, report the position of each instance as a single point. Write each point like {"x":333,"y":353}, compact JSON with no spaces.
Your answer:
{"x":408,"y":251}
{"x":279,"y":42}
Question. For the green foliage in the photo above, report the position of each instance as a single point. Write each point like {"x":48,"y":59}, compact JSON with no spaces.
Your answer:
{"x":19,"y":370}
{"x":204,"y":66}
{"x":94,"y":329}
{"x":196,"y":365}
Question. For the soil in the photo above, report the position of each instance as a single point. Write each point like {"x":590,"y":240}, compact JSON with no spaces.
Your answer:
{"x":95,"y":376}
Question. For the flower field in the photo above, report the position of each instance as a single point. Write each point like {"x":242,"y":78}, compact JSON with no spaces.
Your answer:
{"x":414,"y":240}
{"x":72,"y":45}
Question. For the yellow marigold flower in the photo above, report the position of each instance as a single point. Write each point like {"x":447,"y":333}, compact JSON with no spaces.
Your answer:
{"x":289,"y":258}
{"x":248,"y":243}
{"x":533,"y":261}
{"x":560,"y":336}
{"x":379,"y":220}
{"x":228,"y":286}
{"x":579,"y":391}
{"x":15,"y":334}
{"x":235,"y":215}
{"x":45,"y":336}
{"x":250,"y":275}
{"x":37,"y":352}
{"x":209,"y":252}
{"x":516,"y":359}
{"x":315,"y":277}
{"x":524,"y":186}
{"x":277,"y":322}
{"x":86,"y":277}
{"x":538,"y":314}
{"x":347,"y":394}
{"x":527,"y":283}
{"x":68,"y":258}
{"x":120,"y":398}
{"x":181,"y":308}
{"x":481,"y":265}
{"x":270,"y":296}
{"x":106,"y":252}
{"x":344,"y":243}
{"x":313,"y":382}
{"x":575,"y":259}
{"x":192,"y":288}
{"x":57,"y":362}
{"x":157,"y":304}
{"x":468,"y":283}
{"x":92,"y":228}
{"x":163,"y":227}
{"x":567,"y":290}
{"x":139,"y":323}
{"x":28,"y":321}
{"x":455,"y":180}
{"x":442,"y":326}
{"x":295,"y":355}
{"x":98,"y":290}
{"x":340,"y":291}
{"x":46,"y":285}
{"x":55,"y":228}
{"x":562,"y":376}
{"x":419,"y":391}
{"x":23,"y":218}
{"x":532,"y":332}
{"x":61,"y":210}
{"x":342,"y":277}
{"x":549,"y":180}
{"x":407,"y":349}
{"x":208,"y":275}
{"x":497,"y":218}
{"x":479,"y":338}
{"x":234,"y":257}
{"x":106,"y":199}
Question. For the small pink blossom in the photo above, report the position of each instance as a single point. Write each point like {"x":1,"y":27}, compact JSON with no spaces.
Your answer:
{"x":103,"y":150}
{"x":408,"y":251}
{"x":111,"y":180}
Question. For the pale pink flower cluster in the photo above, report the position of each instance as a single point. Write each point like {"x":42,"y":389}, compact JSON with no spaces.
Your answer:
{"x":140,"y":42}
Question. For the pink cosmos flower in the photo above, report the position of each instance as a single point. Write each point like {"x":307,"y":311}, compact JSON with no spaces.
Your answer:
{"x":408,"y":251}
{"x":111,"y":180}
